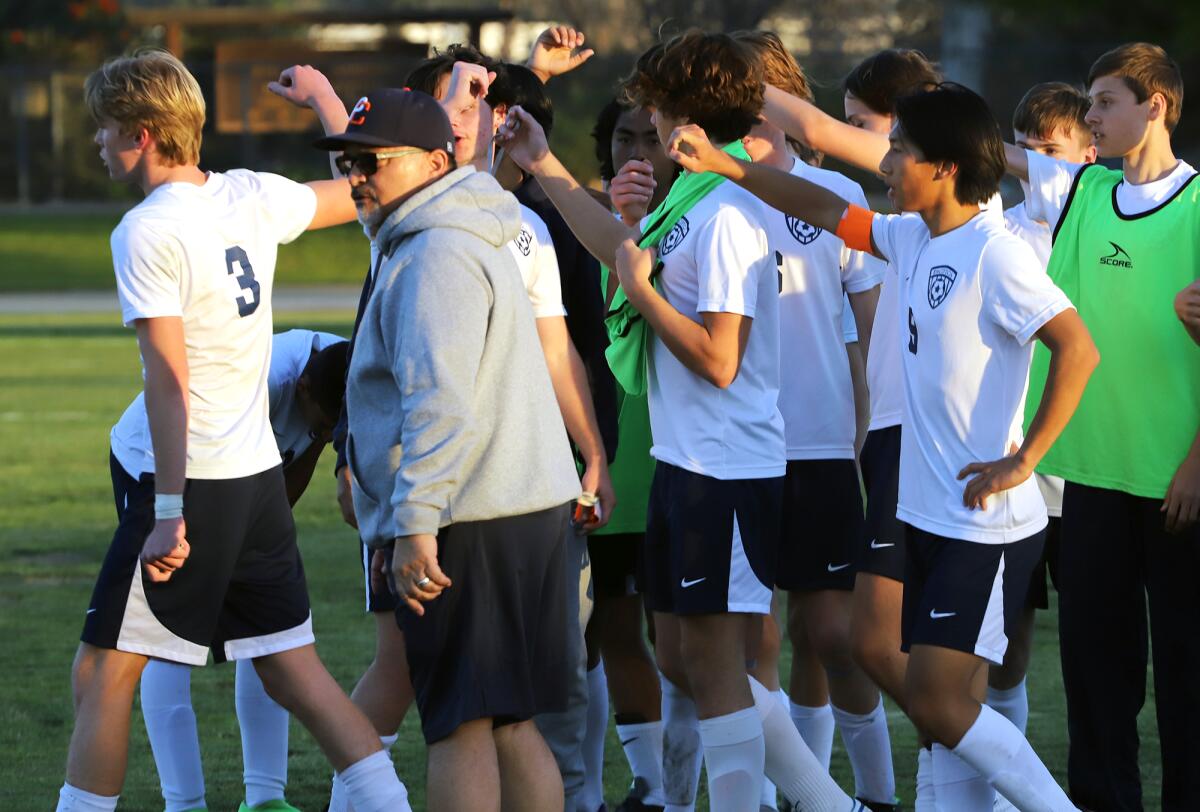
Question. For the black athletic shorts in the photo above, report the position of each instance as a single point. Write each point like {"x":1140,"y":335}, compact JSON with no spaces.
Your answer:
{"x":378,"y":600}
{"x":241,"y":591}
{"x":710,"y":543}
{"x":615,"y":566}
{"x":491,"y":646}
{"x":822,"y":526}
{"x":882,"y":546}
{"x":964,"y":595}
{"x":1039,"y":590}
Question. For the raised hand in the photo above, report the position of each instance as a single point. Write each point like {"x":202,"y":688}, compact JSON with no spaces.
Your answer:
{"x":303,"y":86}
{"x":523,"y":139}
{"x":557,"y":50}
{"x":165,"y":549}
{"x":632,"y":190}
{"x":468,"y":84}
{"x":690,"y":148}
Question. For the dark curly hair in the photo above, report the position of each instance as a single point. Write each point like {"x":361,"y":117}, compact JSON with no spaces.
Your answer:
{"x":711,"y":80}
{"x":883,"y":77}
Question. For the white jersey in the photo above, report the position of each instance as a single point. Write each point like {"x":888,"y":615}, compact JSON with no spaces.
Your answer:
{"x":973,"y":299}
{"x":207,"y":254}
{"x":885,"y":367}
{"x":717,"y":259}
{"x":1038,"y":236}
{"x":817,"y":270}
{"x":534,"y":253}
{"x":290,"y":354}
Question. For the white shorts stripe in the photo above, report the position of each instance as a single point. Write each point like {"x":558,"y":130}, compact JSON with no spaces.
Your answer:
{"x":745,"y":593}
{"x":992,"y":642}
{"x":142,"y":633}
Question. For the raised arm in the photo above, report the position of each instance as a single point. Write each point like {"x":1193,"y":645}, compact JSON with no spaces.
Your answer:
{"x":305,"y":86}
{"x":808,"y":123}
{"x":813,"y":204}
{"x":557,"y":50}
{"x":593,"y":225}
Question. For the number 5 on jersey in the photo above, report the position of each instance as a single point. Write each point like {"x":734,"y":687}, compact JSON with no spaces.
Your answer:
{"x":248,"y":302}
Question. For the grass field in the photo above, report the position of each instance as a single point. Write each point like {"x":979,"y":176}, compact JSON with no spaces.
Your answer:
{"x":50,"y":252}
{"x":63,"y":382}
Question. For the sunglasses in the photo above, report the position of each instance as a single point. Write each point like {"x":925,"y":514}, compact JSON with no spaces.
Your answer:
{"x":368,"y":162}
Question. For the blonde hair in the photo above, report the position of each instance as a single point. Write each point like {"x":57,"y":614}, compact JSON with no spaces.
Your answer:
{"x":782,"y":70}
{"x":150,"y":89}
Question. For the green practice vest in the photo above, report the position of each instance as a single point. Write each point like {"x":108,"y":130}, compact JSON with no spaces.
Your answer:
{"x":1141,"y":409}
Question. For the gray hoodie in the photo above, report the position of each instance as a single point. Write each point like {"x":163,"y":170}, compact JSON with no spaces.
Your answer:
{"x":451,"y":413}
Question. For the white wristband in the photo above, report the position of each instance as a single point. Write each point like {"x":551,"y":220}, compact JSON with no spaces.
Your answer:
{"x":168,"y":505}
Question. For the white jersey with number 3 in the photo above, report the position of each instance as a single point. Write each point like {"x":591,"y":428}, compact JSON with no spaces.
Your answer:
{"x":207,"y":254}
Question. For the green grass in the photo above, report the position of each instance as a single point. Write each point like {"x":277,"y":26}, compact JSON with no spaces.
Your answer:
{"x":54,"y":252}
{"x":63,"y":381}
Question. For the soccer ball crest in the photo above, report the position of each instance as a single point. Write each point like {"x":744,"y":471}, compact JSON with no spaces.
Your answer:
{"x":802,"y":231}
{"x":673,"y":237}
{"x":524,"y":242}
{"x":941,"y":279}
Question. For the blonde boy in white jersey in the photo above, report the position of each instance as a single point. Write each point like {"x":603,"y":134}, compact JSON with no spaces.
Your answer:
{"x":195,"y":266}
{"x":975,"y":297}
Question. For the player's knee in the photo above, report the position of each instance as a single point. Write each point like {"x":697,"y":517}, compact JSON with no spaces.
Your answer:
{"x":104,"y":672}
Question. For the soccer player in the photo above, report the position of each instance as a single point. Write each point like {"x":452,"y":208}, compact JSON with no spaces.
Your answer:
{"x":711,"y":370}
{"x":306,"y":383}
{"x":822,"y":518}
{"x":204,"y":556}
{"x":1125,"y":244}
{"x":973,"y":298}
{"x":1049,"y":120}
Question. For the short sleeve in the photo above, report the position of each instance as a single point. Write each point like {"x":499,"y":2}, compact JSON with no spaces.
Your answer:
{"x":286,"y":207}
{"x":849,"y":325}
{"x":730,"y":251}
{"x":1018,"y":296}
{"x":148,"y":273}
{"x":860,"y":271}
{"x":1049,"y":186}
{"x":546,"y":293}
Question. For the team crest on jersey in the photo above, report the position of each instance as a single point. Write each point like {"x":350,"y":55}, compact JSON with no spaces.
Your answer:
{"x":802,"y":231}
{"x":359,"y":114}
{"x":674,"y":237}
{"x":941,"y":279}
{"x":524,"y":241}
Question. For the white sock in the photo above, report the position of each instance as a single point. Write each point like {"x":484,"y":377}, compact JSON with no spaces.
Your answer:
{"x":591,"y":797}
{"x":682,"y":753}
{"x":770,"y":795}
{"x":995,"y":748}
{"x":1011,"y":703}
{"x":339,"y":800}
{"x":816,"y":728}
{"x":171,"y":726}
{"x":733,"y":756}
{"x":958,"y":786}
{"x":925,"y":801}
{"x":372,"y":785}
{"x":870,"y":750}
{"x":643,"y":745}
{"x":264,"y":726}
{"x":789,"y":763}
{"x":73,"y":799}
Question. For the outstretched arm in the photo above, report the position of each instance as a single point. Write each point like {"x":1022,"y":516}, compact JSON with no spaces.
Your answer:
{"x":593,"y":225}
{"x":813,"y":204}
{"x":808,"y":123}
{"x":305,"y":86}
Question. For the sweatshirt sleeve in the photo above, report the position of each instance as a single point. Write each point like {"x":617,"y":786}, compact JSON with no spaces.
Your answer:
{"x":435,"y":344}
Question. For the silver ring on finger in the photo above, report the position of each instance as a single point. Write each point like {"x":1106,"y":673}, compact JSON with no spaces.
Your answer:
{"x":423,"y":581}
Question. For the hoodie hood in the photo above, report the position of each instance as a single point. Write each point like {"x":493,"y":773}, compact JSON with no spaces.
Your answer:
{"x":464,"y":199}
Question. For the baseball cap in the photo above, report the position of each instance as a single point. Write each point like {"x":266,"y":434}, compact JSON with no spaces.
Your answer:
{"x":393,"y":117}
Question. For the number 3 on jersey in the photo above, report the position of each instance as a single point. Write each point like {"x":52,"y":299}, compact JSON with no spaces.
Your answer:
{"x":912,"y":333}
{"x":248,"y":302}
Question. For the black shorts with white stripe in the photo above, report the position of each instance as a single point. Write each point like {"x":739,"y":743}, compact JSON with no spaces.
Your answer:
{"x":379,"y":599}
{"x":241,"y":591}
{"x":964,"y":595}
{"x":882,"y":547}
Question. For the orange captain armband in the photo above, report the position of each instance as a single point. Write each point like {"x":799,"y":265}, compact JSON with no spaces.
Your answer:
{"x":854,"y":228}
